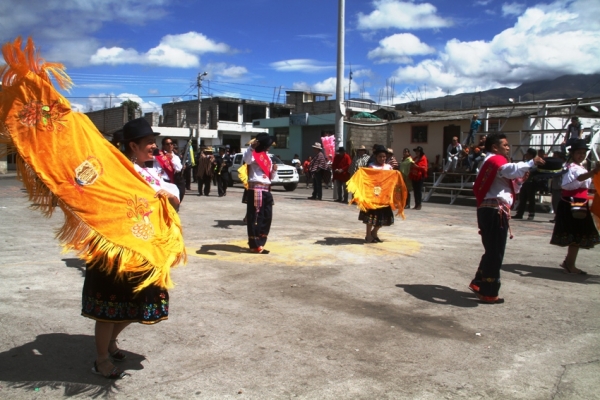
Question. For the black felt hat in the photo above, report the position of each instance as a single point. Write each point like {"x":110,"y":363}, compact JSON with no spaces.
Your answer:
{"x":553,"y":166}
{"x":578,"y":145}
{"x":379,"y":149}
{"x":264,"y":142}
{"x":137,"y":129}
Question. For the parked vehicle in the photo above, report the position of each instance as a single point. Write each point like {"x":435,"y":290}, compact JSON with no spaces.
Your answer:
{"x":286,"y":176}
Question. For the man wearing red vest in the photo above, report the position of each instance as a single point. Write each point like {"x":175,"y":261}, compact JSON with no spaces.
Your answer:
{"x":340,"y":165}
{"x":495,"y":189}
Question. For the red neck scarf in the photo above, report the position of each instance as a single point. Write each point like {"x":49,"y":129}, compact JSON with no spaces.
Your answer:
{"x":166,"y":165}
{"x":486,"y":176}
{"x":264,"y":162}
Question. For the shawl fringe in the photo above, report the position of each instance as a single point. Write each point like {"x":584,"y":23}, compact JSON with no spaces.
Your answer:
{"x":21,"y":61}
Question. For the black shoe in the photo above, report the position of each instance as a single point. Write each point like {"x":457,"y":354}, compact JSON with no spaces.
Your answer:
{"x":312,"y":198}
{"x":517,"y":217}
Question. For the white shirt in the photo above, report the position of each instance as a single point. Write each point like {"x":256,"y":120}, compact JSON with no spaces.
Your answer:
{"x":152,"y":177}
{"x":385,"y":167}
{"x":255,"y":172}
{"x":175,"y":162}
{"x":503,"y":186}
{"x":569,"y":179}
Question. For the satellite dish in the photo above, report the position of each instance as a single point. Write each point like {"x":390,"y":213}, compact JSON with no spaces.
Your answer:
{"x":594,"y":108}
{"x":511,"y":100}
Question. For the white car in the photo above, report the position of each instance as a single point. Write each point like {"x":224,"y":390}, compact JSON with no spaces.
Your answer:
{"x":287,"y":176}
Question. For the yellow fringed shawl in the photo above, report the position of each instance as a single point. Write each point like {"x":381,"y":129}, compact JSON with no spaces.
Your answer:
{"x":243,"y":174}
{"x":376,"y":188}
{"x":112,"y":218}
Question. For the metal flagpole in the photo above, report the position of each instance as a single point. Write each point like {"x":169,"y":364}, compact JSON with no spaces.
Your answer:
{"x":340,"y":110}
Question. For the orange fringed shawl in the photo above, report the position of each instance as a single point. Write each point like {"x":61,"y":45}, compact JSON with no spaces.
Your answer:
{"x":112,"y":218}
{"x":376,"y":188}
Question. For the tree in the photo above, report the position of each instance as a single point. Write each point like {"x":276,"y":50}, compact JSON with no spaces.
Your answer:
{"x":132,"y":107}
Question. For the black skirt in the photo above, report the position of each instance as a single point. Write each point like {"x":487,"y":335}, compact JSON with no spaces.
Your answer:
{"x":378,"y":217}
{"x":110,"y":298}
{"x":569,"y":231}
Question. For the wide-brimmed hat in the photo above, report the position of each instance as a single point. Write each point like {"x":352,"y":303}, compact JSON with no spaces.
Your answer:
{"x":552,"y":167}
{"x":341,"y":148}
{"x":361,"y":147}
{"x":137,"y":129}
{"x":390,"y":150}
{"x":317,"y":146}
{"x":419,"y":149}
{"x":264,"y":142}
{"x":379,"y":149}
{"x":578,"y":145}
{"x":209,"y":149}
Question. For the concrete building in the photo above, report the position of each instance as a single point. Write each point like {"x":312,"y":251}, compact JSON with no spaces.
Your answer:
{"x":224,"y":120}
{"x":314,"y":117}
{"x":534,"y":124}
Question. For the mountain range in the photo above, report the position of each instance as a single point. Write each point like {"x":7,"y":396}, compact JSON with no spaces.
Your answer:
{"x":564,"y":87}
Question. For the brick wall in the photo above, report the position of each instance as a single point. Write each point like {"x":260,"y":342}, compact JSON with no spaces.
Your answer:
{"x":366,"y":135}
{"x":108,"y":120}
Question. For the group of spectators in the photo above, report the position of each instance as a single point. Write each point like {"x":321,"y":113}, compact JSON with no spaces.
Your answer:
{"x":213,"y":170}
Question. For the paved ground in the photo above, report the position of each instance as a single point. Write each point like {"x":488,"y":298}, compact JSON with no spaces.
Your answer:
{"x":324,"y":316}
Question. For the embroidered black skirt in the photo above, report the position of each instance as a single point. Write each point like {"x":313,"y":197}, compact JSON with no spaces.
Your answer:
{"x":377,"y":217}
{"x":110,"y":298}
{"x":569,"y":231}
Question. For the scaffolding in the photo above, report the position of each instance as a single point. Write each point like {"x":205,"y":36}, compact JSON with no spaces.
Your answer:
{"x":547,"y":124}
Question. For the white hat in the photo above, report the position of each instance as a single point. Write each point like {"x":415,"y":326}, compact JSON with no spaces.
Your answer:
{"x":317,"y":146}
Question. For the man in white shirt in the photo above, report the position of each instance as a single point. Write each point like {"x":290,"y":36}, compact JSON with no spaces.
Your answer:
{"x":495,"y":189}
{"x":259,"y":211}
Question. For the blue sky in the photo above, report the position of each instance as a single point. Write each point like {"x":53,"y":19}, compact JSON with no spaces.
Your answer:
{"x":151,"y":51}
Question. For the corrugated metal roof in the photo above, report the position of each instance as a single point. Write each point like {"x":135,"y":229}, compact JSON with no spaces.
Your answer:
{"x":460,"y":115}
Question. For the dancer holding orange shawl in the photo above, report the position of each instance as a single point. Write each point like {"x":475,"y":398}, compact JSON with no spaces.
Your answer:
{"x":126,"y":230}
{"x":378,"y":190}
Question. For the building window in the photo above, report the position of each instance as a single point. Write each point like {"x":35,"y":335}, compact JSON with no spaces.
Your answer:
{"x":282,"y":137}
{"x":252,"y":112}
{"x":228,"y":111}
{"x":277,"y":112}
{"x":419,"y":134}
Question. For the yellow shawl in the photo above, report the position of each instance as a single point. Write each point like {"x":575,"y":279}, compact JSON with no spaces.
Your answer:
{"x":112,"y":218}
{"x":595,"y":208}
{"x":376,"y":188}
{"x":243,"y":174}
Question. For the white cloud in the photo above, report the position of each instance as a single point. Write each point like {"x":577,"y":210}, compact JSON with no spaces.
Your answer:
{"x":64,"y":29}
{"x":547,"y":41}
{"x":109,"y":100}
{"x":402,"y":15}
{"x":512,"y":9}
{"x":399,"y":48}
{"x":175,"y":51}
{"x":227,"y":71}
{"x":194,"y":42}
{"x":301,"y":65}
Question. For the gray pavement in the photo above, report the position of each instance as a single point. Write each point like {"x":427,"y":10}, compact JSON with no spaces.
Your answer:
{"x":324,"y":316}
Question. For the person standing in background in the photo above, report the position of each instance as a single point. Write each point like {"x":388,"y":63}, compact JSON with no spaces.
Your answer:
{"x":418,"y":173}
{"x":317,"y":167}
{"x":405,"y":166}
{"x":340,"y":166}
{"x":473,"y":128}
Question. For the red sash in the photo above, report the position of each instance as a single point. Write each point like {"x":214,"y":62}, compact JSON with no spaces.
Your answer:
{"x":486,"y":176}
{"x":264,"y":162}
{"x":165,"y":164}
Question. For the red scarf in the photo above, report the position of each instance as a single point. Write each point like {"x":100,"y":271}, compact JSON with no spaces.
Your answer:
{"x":166,"y":165}
{"x":264,"y":162}
{"x":486,"y":176}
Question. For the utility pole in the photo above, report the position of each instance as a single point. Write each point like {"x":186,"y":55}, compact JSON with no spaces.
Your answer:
{"x":340,"y":110}
{"x":200,"y":77}
{"x":350,"y":84}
